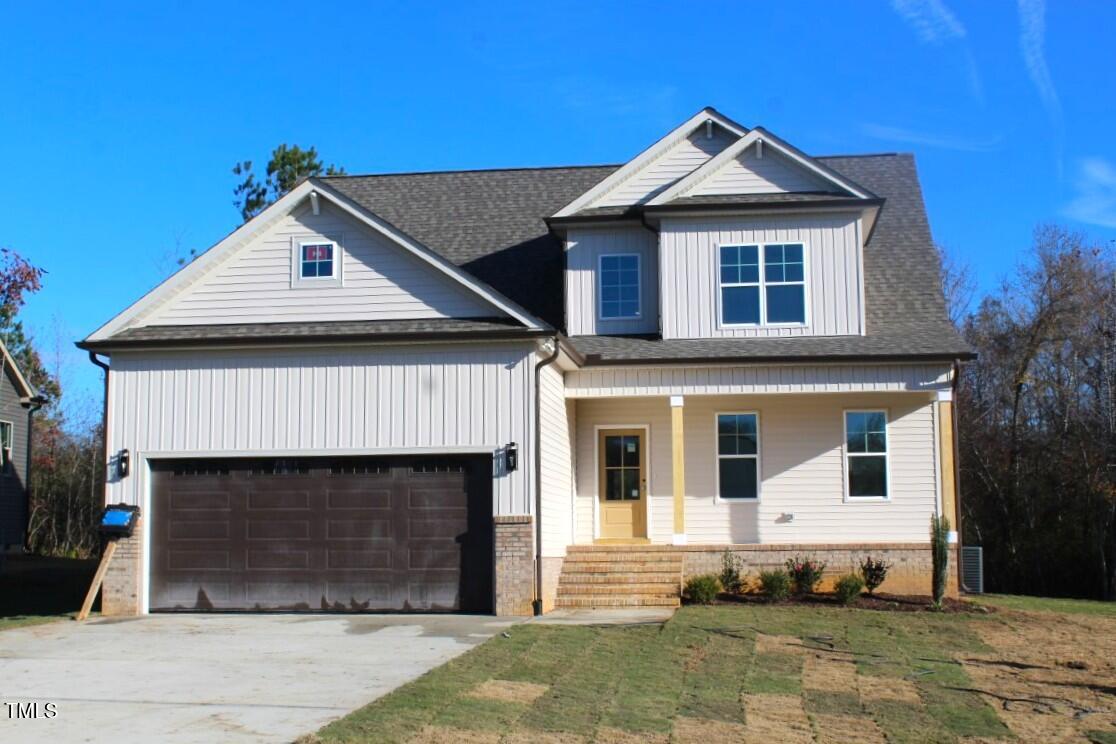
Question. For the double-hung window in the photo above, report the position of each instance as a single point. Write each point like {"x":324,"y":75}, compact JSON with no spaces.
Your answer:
{"x":619,"y":286}
{"x":763,"y":285}
{"x":866,"y":455}
{"x":738,"y":473}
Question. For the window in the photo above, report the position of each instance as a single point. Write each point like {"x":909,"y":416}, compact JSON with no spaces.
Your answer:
{"x":738,"y":455}
{"x":619,"y":286}
{"x":316,"y":260}
{"x":7,"y":435}
{"x":866,"y":454}
{"x":773,"y":293}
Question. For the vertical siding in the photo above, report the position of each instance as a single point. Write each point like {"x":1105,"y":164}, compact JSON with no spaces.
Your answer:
{"x":584,"y":247}
{"x":690,"y":263}
{"x":13,"y":480}
{"x":557,"y":464}
{"x":315,"y":401}
{"x":686,"y":156}
{"x":802,"y":469}
{"x":747,"y":174}
{"x":381,"y":281}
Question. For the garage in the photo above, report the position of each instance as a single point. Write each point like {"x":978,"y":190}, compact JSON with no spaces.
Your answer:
{"x":322,"y":534}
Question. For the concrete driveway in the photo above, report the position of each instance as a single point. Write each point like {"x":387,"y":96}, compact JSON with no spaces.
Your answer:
{"x":207,"y":678}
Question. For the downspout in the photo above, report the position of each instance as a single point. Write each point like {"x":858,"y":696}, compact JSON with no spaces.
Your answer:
{"x":104,"y":424}
{"x":957,"y":472}
{"x":32,"y":405}
{"x":538,"y":603}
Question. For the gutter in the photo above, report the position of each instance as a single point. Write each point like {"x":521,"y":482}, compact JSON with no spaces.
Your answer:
{"x":538,"y":603}
{"x":596,"y":360}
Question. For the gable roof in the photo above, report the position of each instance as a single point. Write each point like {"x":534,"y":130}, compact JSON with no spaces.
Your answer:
{"x":15,"y":374}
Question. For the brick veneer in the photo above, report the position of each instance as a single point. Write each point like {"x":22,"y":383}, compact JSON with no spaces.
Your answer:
{"x":120,"y":592}
{"x":910,"y":562}
{"x":515,"y":565}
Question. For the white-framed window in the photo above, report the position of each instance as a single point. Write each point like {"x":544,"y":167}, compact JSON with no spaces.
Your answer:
{"x":618,"y":286}
{"x":762,"y":285}
{"x":7,"y":439}
{"x":315,"y":262}
{"x":738,"y":456}
{"x":867,"y":471}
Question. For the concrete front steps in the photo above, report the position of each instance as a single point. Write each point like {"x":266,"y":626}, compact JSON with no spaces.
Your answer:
{"x":620,"y":576}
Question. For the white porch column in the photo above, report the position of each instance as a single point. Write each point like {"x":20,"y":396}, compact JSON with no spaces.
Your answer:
{"x":678,"y":468}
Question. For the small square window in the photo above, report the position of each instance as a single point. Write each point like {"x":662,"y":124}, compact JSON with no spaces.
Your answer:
{"x":317,"y":260}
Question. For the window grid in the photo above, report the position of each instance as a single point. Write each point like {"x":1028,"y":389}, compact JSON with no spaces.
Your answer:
{"x":619,"y":286}
{"x":867,"y":457}
{"x":751,"y":277}
{"x":738,"y":455}
{"x":316,"y":260}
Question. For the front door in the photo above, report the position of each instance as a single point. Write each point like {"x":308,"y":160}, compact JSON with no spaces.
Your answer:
{"x":622,"y":485}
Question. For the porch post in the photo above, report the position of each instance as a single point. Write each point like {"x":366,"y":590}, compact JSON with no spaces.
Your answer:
{"x":947,"y":449}
{"x":678,"y":468}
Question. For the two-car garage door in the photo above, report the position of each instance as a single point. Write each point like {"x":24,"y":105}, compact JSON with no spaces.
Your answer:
{"x":320,"y":534}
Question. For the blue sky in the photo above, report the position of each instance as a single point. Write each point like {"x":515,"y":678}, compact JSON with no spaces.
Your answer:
{"x":119,"y":123}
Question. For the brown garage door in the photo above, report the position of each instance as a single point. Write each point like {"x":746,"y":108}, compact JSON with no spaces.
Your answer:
{"x":313,"y":534}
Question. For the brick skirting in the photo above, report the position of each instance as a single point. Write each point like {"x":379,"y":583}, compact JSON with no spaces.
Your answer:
{"x":120,"y":592}
{"x":515,"y":564}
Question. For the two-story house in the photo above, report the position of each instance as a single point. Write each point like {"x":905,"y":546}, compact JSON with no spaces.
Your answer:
{"x":481,"y":389}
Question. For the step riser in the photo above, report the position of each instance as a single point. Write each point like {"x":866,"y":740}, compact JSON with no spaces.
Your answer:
{"x":599,"y":557}
{"x":592,"y":602}
{"x":620,"y":590}
{"x":636,"y":577}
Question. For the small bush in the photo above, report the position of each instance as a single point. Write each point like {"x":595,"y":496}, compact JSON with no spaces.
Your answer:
{"x":731,"y":579}
{"x":776,"y":585}
{"x":848,"y":588}
{"x":873,"y":572}
{"x":939,"y":556}
{"x":805,"y":572}
{"x":703,"y":589}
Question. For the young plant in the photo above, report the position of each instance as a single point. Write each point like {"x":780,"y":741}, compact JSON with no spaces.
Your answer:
{"x":776,"y":584}
{"x":848,"y":588}
{"x":874,"y":572}
{"x":731,"y":579}
{"x":805,"y":572}
{"x":703,"y":589}
{"x":939,"y":556}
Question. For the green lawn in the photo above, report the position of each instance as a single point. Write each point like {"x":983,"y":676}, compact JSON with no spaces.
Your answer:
{"x":709,"y":674}
{"x":35,"y":590}
{"x":1047,"y":604}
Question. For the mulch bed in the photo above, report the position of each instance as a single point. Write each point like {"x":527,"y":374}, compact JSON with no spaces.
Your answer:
{"x":880,"y":602}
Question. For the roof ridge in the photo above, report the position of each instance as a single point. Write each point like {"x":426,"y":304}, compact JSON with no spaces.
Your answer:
{"x":472,"y":170}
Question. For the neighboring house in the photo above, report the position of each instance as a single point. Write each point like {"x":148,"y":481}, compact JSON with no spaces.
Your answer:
{"x":17,"y":402}
{"x":475,"y":389}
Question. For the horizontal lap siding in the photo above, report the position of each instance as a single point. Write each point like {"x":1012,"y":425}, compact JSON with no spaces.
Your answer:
{"x":678,"y":161}
{"x":747,"y":174}
{"x":322,"y":401}
{"x":381,"y":281}
{"x":557,"y":463}
{"x":689,"y":260}
{"x":802,"y":469}
{"x":583,"y":251}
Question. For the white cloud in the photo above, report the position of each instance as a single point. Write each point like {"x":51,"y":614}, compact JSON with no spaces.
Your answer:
{"x":1032,"y":43}
{"x":1095,"y":203}
{"x":930,"y":139}
{"x":931,"y":19}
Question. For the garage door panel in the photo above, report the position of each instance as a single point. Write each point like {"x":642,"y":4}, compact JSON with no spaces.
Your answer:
{"x":316,"y":535}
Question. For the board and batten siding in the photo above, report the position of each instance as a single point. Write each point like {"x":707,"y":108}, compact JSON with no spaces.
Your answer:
{"x":802,"y":469}
{"x":749,"y":174}
{"x":380,"y":281}
{"x":311,"y":401}
{"x":690,"y":271}
{"x":757,"y":379}
{"x":556,"y":442}
{"x":584,"y":248}
{"x":678,"y":161}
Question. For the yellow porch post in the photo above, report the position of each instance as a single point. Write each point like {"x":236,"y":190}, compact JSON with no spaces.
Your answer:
{"x":678,"y":468}
{"x":947,"y":450}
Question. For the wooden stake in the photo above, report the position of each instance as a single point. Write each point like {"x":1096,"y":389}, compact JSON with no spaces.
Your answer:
{"x":98,"y":578}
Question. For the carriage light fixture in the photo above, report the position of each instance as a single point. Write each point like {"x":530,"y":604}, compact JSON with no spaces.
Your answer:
{"x":511,"y":457}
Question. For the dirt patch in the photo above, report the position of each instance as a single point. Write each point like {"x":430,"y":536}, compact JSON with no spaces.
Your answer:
{"x":703,"y":731}
{"x":828,"y":674}
{"x":770,"y":718}
{"x":694,"y":658}
{"x":509,"y":692}
{"x":879,"y":602}
{"x":887,"y":688}
{"x":848,"y":730}
{"x":540,"y":737}
{"x":608,"y":735}
{"x":779,"y":644}
{"x":443,"y":734}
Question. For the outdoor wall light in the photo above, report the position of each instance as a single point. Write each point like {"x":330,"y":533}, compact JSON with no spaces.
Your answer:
{"x":123,"y":463}
{"x":511,"y":457}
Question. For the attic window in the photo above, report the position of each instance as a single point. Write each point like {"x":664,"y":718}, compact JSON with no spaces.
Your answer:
{"x":316,"y":260}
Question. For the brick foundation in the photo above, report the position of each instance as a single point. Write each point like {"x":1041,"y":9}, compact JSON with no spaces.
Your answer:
{"x":910,"y":562}
{"x":120,"y":592}
{"x":515,"y":565}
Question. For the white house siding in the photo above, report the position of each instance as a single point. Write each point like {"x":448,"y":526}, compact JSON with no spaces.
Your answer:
{"x":748,"y":174}
{"x":689,"y":260}
{"x":556,"y":418}
{"x":678,"y":161}
{"x":381,"y":281}
{"x":771,"y":378}
{"x":802,"y":469}
{"x":315,"y":401}
{"x":584,"y":247}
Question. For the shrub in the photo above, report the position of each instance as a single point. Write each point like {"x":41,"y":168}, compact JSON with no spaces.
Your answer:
{"x":703,"y":589}
{"x":873,"y":572}
{"x":939,"y":556}
{"x":731,"y":579}
{"x":805,"y":572}
{"x":776,"y":585}
{"x":848,"y":588}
